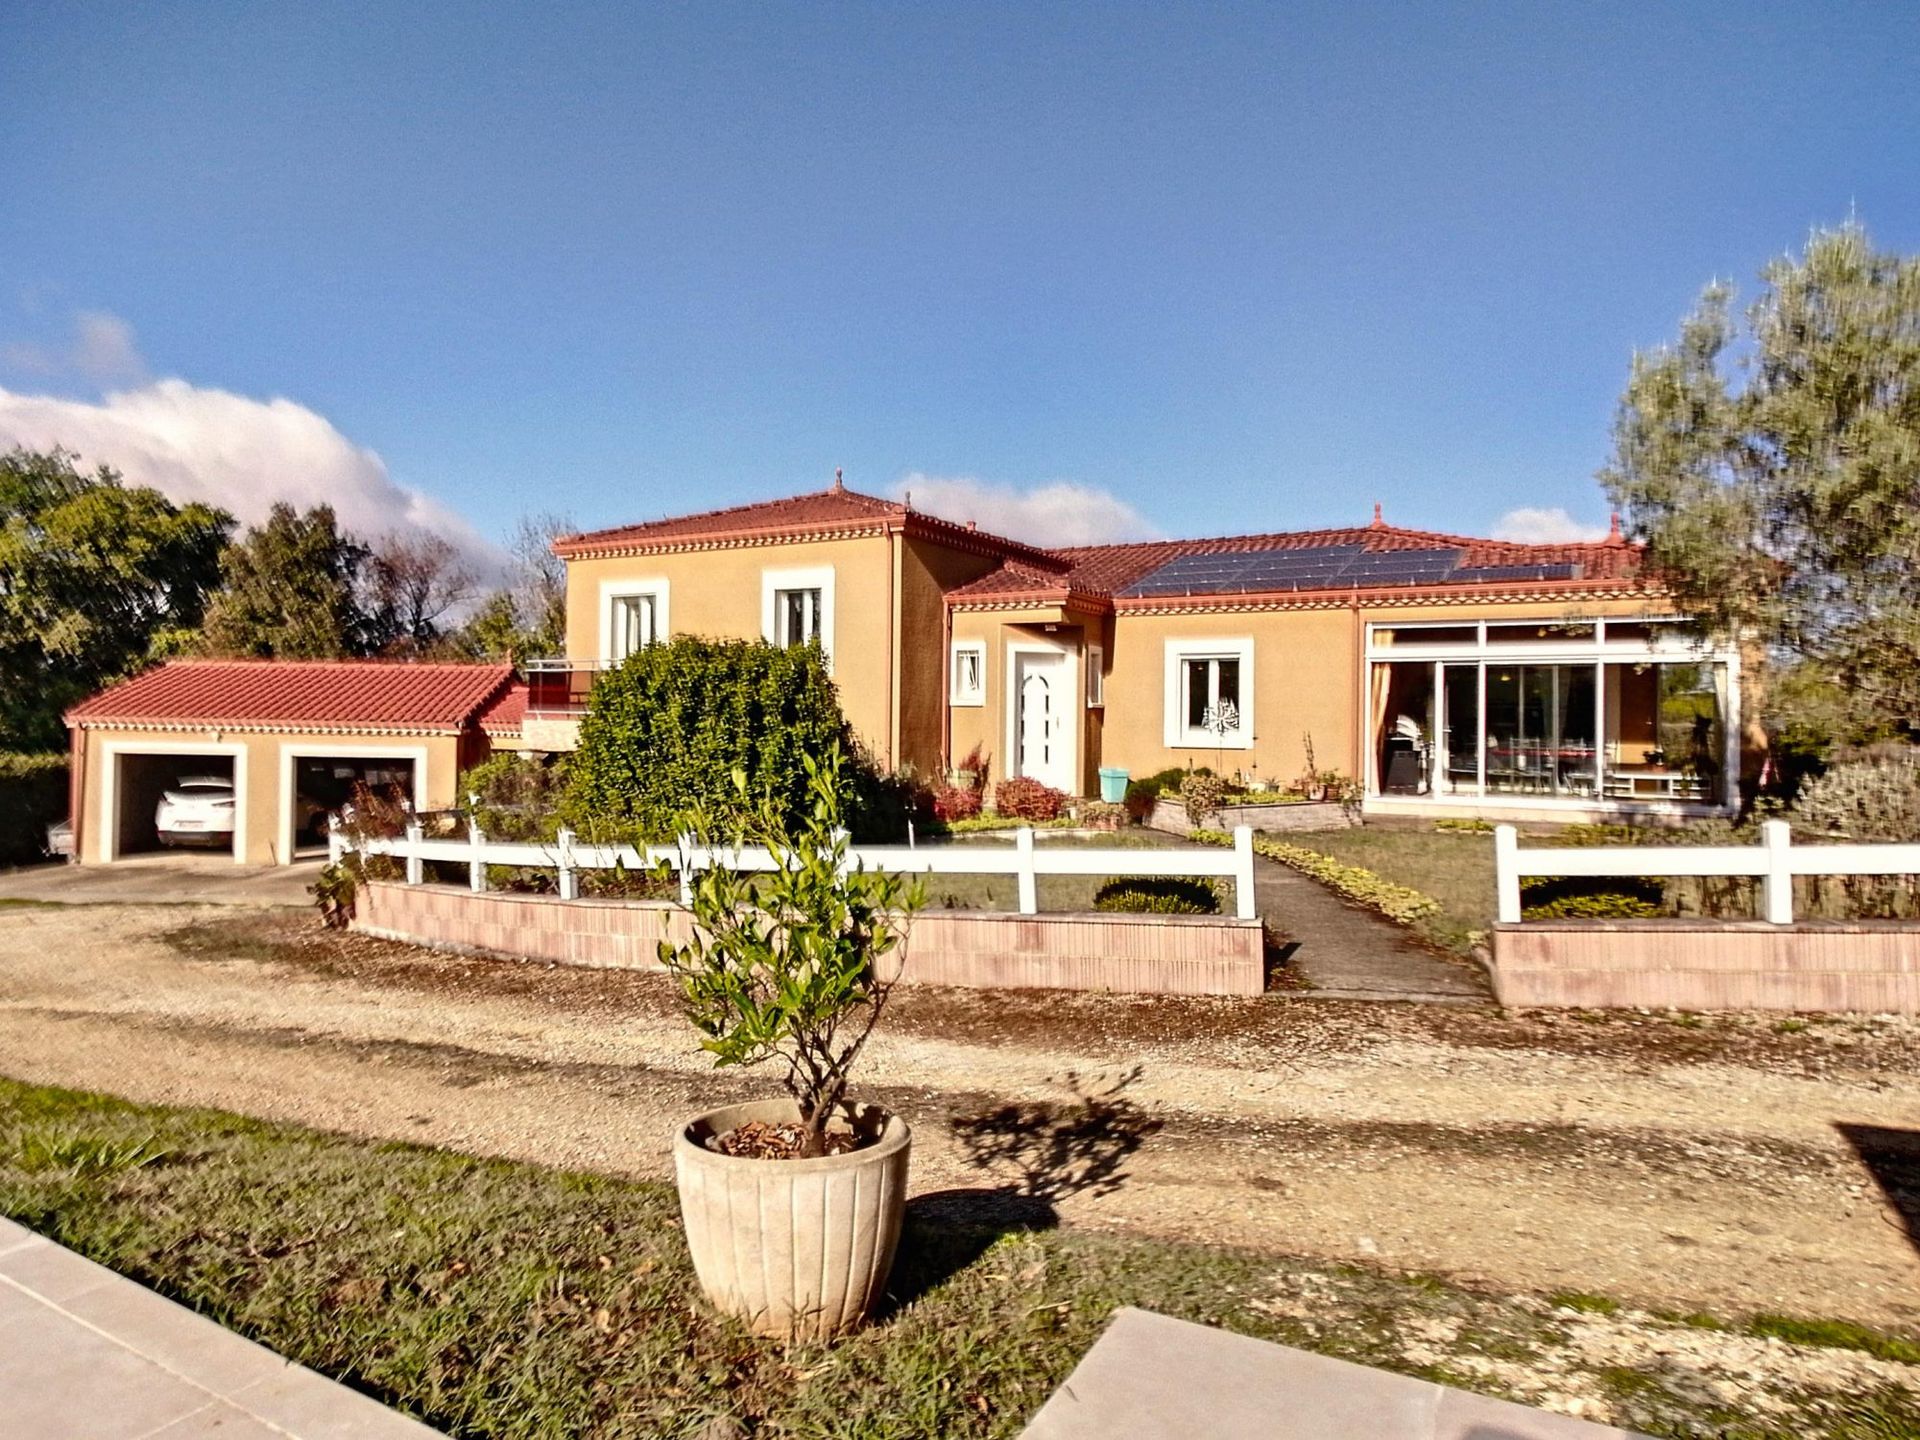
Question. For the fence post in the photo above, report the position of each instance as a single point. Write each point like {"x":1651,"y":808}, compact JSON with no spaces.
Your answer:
{"x":685,"y":842}
{"x":1777,"y":885}
{"x":416,"y":872}
{"x":1029,"y":888}
{"x":476,"y":862}
{"x":569,"y":879}
{"x":1243,"y":873}
{"x":1506,"y":869}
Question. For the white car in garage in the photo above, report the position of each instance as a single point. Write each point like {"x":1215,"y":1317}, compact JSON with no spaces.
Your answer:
{"x":196,"y":810}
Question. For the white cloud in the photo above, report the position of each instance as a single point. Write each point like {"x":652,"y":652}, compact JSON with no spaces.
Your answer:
{"x":194,"y":443}
{"x":101,"y":351}
{"x":1061,"y":513}
{"x":1541,"y":526}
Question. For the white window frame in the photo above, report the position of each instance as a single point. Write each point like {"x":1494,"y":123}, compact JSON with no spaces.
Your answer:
{"x":654,"y":588}
{"x":1096,"y":677}
{"x":1177,"y":735}
{"x":958,"y":694}
{"x":812,"y":577}
{"x":1602,"y":649}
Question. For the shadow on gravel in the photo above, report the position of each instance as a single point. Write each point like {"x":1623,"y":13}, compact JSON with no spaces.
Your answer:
{"x":1040,"y":1152}
{"x":1892,"y":1157}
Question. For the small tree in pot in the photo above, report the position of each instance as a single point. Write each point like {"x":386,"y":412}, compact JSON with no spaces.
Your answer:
{"x":792,"y":1207}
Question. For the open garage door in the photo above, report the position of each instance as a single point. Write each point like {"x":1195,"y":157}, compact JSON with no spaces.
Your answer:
{"x":166,"y":801}
{"x":323,"y":783}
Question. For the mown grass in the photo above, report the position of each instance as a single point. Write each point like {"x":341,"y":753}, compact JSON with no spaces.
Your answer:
{"x":495,"y":1299}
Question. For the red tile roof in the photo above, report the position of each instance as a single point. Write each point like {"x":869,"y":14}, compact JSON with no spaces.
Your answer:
{"x":832,"y":511}
{"x":318,"y":694}
{"x":506,"y":714}
{"x":1101,"y":571}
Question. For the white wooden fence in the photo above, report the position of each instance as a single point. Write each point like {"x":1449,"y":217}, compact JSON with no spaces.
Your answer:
{"x":1774,"y":862}
{"x":1023,"y":860}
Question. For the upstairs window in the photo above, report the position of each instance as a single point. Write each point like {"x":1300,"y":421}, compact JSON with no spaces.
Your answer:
{"x":635,"y":625}
{"x":796,"y":616}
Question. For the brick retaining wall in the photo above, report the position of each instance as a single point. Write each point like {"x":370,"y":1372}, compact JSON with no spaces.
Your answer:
{"x":1710,"y":965}
{"x":1140,"y":954}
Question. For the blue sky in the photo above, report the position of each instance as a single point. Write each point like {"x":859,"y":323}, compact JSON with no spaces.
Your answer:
{"x":1235,"y":267}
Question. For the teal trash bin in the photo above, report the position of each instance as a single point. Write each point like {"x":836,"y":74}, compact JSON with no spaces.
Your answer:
{"x":1113,"y":784}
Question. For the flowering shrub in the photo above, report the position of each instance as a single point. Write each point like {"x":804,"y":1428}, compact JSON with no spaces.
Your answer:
{"x":1100,"y":815}
{"x":951,"y":802}
{"x":1862,"y":800}
{"x":1024,"y":799}
{"x":1203,"y":796}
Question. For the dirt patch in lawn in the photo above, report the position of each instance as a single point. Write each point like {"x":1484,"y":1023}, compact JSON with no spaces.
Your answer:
{"x":1687,"y":1165}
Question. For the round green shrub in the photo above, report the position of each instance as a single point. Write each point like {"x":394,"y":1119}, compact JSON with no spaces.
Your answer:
{"x":1590,"y":897}
{"x":667,"y":730}
{"x":1157,"y":895}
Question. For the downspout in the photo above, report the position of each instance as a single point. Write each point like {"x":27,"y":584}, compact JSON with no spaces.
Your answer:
{"x":946,"y":687}
{"x":77,"y":790}
{"x":1357,"y":694}
{"x":893,"y":653}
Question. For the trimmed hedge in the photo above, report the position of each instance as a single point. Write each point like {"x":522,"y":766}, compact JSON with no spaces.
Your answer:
{"x":33,"y":795}
{"x":1157,"y":895}
{"x":668,"y":730}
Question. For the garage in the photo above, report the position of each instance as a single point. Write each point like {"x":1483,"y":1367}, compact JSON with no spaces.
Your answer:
{"x":262,"y":751}
{"x":199,"y":789}
{"x":322,"y":784}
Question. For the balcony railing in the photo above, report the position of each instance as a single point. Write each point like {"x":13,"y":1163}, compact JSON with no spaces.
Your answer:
{"x":560,"y":687}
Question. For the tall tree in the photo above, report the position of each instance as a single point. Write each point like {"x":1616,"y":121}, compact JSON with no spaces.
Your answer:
{"x":291,"y":589}
{"x":1774,"y":470}
{"x":528,"y":616}
{"x":411,"y":587}
{"x":94,"y":577}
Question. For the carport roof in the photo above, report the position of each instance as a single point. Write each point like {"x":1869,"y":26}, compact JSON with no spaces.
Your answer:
{"x":328,"y":695}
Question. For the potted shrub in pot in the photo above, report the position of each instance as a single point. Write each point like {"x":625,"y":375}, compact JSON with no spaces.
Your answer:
{"x":792,"y":1206}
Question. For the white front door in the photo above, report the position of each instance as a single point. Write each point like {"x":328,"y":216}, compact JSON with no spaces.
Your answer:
{"x":1043,"y":738}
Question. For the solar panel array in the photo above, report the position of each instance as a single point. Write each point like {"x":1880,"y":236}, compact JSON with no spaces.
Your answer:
{"x":1325,"y":567}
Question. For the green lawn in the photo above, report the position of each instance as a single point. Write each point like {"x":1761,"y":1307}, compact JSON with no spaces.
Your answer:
{"x":1455,"y":868}
{"x":500,"y":1299}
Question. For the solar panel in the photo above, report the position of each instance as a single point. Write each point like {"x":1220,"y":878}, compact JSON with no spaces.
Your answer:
{"x":1481,"y":573}
{"x":1245,"y":570}
{"x":1325,"y":567}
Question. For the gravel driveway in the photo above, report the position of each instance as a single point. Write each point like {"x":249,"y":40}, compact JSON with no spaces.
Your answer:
{"x":1687,"y":1165}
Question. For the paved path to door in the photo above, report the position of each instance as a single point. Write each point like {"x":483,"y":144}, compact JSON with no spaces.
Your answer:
{"x":1348,"y":953}
{"x":88,"y":1353}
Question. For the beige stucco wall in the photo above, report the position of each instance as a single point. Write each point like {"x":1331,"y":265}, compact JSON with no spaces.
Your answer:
{"x":716,"y":593}
{"x":1307,"y":680}
{"x":889,"y":621}
{"x":259,"y":762}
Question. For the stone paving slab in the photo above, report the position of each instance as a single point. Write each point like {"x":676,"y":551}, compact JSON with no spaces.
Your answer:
{"x":86,"y":1354}
{"x":1151,"y":1377}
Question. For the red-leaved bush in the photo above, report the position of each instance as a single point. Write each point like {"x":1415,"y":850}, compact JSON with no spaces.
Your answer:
{"x":1024,"y":799}
{"x":950,"y":802}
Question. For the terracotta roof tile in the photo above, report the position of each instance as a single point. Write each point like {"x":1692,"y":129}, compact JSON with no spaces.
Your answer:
{"x":329,"y":694}
{"x":506,"y":713}
{"x":821,"y":507}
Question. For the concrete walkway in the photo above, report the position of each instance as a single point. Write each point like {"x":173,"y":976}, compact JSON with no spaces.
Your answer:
{"x":86,"y":1354}
{"x":166,"y":879}
{"x":1347,"y":953}
{"x":1150,"y":1377}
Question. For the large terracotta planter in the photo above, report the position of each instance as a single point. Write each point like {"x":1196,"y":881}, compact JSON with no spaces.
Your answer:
{"x":798,"y":1249}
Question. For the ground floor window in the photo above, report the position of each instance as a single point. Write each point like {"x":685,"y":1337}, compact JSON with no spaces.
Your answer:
{"x":1590,"y":729}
